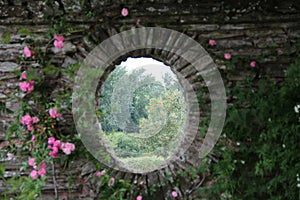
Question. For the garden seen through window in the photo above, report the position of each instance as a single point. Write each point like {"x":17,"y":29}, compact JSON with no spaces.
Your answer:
{"x":142,"y":112}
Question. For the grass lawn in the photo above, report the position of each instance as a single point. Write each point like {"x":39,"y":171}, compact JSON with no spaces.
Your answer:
{"x":143,"y":163}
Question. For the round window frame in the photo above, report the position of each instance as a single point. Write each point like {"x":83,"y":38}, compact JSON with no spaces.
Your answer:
{"x":181,"y":52}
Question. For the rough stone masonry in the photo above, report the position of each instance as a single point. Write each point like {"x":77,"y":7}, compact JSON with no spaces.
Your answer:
{"x":265,"y":29}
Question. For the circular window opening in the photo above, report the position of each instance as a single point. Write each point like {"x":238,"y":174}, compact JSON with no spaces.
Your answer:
{"x":142,"y":112}
{"x":189,"y":61}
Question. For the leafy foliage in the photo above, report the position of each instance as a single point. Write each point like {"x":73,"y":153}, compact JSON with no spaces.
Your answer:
{"x":259,"y":156}
{"x":157,"y":110}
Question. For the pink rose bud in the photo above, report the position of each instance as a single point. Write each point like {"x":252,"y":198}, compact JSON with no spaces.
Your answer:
{"x":58,"y":44}
{"x":54,"y":113}
{"x":35,"y":120}
{"x":212,"y":42}
{"x":124,"y":12}
{"x":42,"y":172}
{"x":139,"y":197}
{"x":67,"y":147}
{"x":111,"y":182}
{"x":24,"y":75}
{"x":31,"y":162}
{"x":34,"y":174}
{"x":27,"y":52}
{"x":174,"y":194}
{"x":227,"y":56}
{"x":26,"y":119}
{"x":252,"y":64}
{"x":51,"y":140}
{"x":32,"y":138}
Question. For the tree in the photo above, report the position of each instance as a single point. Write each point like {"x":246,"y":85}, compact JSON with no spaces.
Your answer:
{"x":165,"y":122}
{"x":104,"y":111}
{"x":124,"y":97}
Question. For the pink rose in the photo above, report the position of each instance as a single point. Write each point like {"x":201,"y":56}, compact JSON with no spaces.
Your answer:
{"x":35,"y":120}
{"x":59,"y":41}
{"x":27,"y":52}
{"x":59,"y":37}
{"x":24,"y":75}
{"x":124,"y":12}
{"x":42,"y":172}
{"x":98,"y":174}
{"x":53,"y":154}
{"x":32,"y":138}
{"x":174,"y":194}
{"x":57,"y":144}
{"x":23,"y":86}
{"x":111,"y":181}
{"x":58,"y":44}
{"x":27,"y":86}
{"x":30,"y":86}
{"x":54,"y":113}
{"x":30,"y":127}
{"x":227,"y":56}
{"x":34,"y":174}
{"x":31,"y":162}
{"x":252,"y":64}
{"x":29,"y":121}
{"x":26,"y":119}
{"x":43,"y":165}
{"x":51,"y":140}
{"x":55,"y":149}
{"x":139,"y":197}
{"x":212,"y":42}
{"x":67,"y":147}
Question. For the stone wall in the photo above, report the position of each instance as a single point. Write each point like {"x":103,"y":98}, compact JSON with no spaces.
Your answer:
{"x":265,"y":30}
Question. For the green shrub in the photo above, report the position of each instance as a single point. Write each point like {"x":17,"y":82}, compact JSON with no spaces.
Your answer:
{"x":124,"y":144}
{"x":144,"y":163}
{"x":259,"y":151}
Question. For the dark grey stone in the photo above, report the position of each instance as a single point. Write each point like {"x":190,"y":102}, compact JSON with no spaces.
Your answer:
{"x":9,"y":67}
